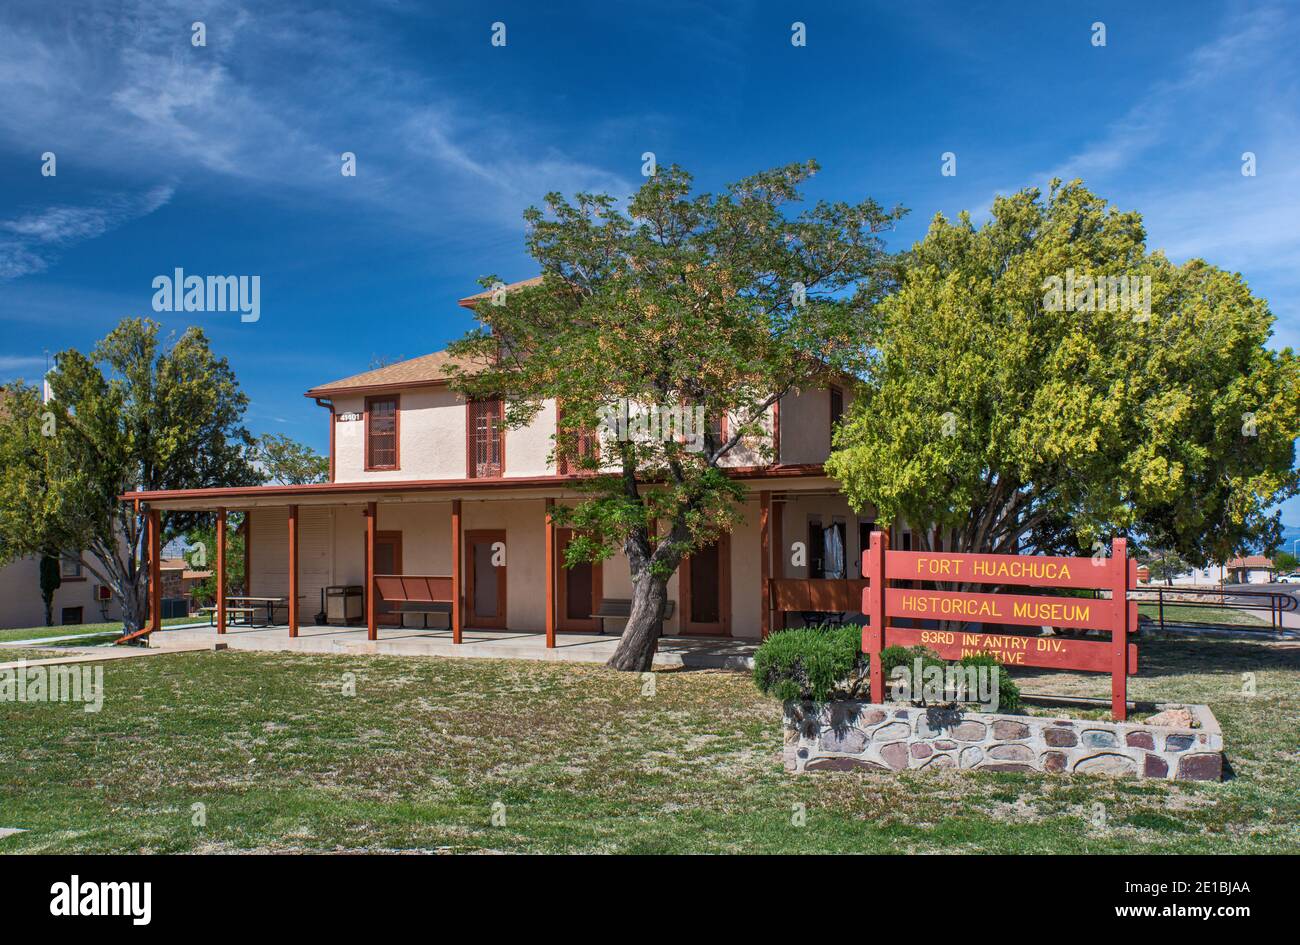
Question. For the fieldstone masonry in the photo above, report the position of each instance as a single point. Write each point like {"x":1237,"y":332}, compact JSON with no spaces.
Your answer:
{"x":842,"y":736}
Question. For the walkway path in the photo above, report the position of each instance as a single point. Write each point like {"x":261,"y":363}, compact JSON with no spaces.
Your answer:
{"x":97,"y":654}
{"x":690,"y":652}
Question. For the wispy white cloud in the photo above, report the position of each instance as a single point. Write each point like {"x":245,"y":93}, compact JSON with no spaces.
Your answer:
{"x":1204,"y":84}
{"x":13,"y":364}
{"x":1174,"y":154}
{"x":30,"y":241}
{"x":126,"y":91}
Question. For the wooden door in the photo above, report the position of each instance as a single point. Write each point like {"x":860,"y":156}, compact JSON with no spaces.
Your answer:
{"x":579,"y":589}
{"x":485,"y":579}
{"x":706,"y":590}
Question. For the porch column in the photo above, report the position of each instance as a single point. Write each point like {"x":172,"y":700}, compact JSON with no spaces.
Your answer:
{"x":372,"y":623}
{"x":293,"y":570}
{"x":456,"y":616}
{"x":778,"y":552}
{"x":550,"y":575}
{"x":221,"y":570}
{"x":155,"y":570}
{"x":765,"y":561}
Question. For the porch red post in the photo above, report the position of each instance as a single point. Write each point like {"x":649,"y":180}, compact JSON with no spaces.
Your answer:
{"x":221,"y":570}
{"x":873,"y":635}
{"x":456,"y":616}
{"x":372,"y":622}
{"x":765,"y":561}
{"x":778,"y":549}
{"x":550,"y":575}
{"x":155,"y":570}
{"x":1119,"y":569}
{"x":293,"y":570}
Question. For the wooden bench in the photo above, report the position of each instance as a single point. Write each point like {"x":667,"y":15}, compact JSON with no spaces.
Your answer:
{"x":616,"y":608}
{"x":421,"y":594}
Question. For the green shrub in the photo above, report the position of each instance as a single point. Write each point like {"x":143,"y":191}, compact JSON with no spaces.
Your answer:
{"x":892,"y":656}
{"x":1008,"y":691}
{"x":812,"y":664}
{"x":825,"y":664}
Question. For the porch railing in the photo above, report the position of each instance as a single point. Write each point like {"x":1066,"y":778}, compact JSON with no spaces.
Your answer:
{"x":817,"y":595}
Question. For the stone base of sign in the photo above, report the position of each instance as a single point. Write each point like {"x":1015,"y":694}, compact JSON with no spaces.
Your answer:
{"x":844,"y":736}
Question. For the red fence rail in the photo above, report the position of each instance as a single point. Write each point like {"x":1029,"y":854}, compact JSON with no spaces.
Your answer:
{"x":1116,"y":574}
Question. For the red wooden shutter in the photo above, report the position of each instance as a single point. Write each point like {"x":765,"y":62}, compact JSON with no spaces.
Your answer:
{"x":381,"y":434}
{"x":486,"y":445}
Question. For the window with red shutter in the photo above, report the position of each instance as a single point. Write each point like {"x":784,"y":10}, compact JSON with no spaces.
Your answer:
{"x":486,"y":438}
{"x":588,"y":444}
{"x":381,"y":433}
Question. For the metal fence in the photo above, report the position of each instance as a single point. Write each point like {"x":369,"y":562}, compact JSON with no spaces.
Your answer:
{"x":1171,"y":604}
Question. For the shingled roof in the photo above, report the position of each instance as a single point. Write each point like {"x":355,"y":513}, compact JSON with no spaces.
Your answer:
{"x":472,"y":300}
{"x":424,"y":371}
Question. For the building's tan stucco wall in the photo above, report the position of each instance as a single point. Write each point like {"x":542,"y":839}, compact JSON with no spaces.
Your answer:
{"x":431,"y":432}
{"x":432,"y":437}
{"x":20,"y":597}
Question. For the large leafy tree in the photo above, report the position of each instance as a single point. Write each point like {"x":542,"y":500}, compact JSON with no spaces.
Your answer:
{"x":137,"y":413}
{"x":1013,"y":423}
{"x":288,"y":462}
{"x":718,"y":302}
{"x":1164,"y":565}
{"x":201,"y":554}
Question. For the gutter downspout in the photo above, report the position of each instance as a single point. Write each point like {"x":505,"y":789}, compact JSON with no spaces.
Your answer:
{"x":326,"y":402}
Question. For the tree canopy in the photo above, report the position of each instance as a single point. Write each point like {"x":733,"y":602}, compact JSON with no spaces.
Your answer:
{"x":137,"y":413}
{"x":716,"y":303}
{"x":287,"y":462}
{"x":1017,"y":404}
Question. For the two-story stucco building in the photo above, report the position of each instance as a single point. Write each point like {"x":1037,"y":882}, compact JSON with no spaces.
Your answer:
{"x":427,"y":485}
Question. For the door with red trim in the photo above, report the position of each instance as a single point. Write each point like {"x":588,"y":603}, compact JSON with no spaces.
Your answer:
{"x":485,"y":579}
{"x":579,"y":588}
{"x":706,"y":590}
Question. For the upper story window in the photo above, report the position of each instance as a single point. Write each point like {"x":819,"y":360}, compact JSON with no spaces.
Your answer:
{"x":70,"y":567}
{"x":718,"y":427}
{"x":381,"y":432}
{"x":588,"y":445}
{"x":837,"y":408}
{"x":486,"y":449}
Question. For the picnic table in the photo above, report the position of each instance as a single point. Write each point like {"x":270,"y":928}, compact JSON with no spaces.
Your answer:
{"x":248,"y":602}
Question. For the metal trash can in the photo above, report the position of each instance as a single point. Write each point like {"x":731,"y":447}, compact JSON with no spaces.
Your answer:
{"x":344,"y":603}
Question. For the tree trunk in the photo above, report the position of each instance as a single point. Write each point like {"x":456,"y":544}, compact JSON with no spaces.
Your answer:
{"x":640,"y":640}
{"x":135,"y":604}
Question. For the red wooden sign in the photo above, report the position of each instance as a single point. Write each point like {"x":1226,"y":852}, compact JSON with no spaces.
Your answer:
{"x":1015,"y":649}
{"x":1116,"y":615}
{"x":1075,"y":612}
{"x":1011,"y":570}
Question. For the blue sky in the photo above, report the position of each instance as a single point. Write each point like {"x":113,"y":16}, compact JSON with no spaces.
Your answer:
{"x":225,"y":159}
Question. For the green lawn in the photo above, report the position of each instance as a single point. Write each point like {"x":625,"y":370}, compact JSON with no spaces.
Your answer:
{"x":39,"y":633}
{"x":1190,"y":613}
{"x":582,"y":760}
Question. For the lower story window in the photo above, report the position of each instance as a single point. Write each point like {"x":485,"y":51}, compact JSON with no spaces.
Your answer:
{"x":71,"y":615}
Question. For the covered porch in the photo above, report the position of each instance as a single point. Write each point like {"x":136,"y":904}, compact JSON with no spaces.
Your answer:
{"x":481,"y":563}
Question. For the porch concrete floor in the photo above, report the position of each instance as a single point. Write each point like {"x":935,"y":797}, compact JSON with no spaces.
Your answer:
{"x":689,"y":652}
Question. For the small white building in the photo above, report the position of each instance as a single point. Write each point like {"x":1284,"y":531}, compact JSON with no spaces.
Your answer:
{"x":1252,"y":569}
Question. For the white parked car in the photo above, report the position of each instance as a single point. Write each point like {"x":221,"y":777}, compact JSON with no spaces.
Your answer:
{"x":1289,"y":578}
